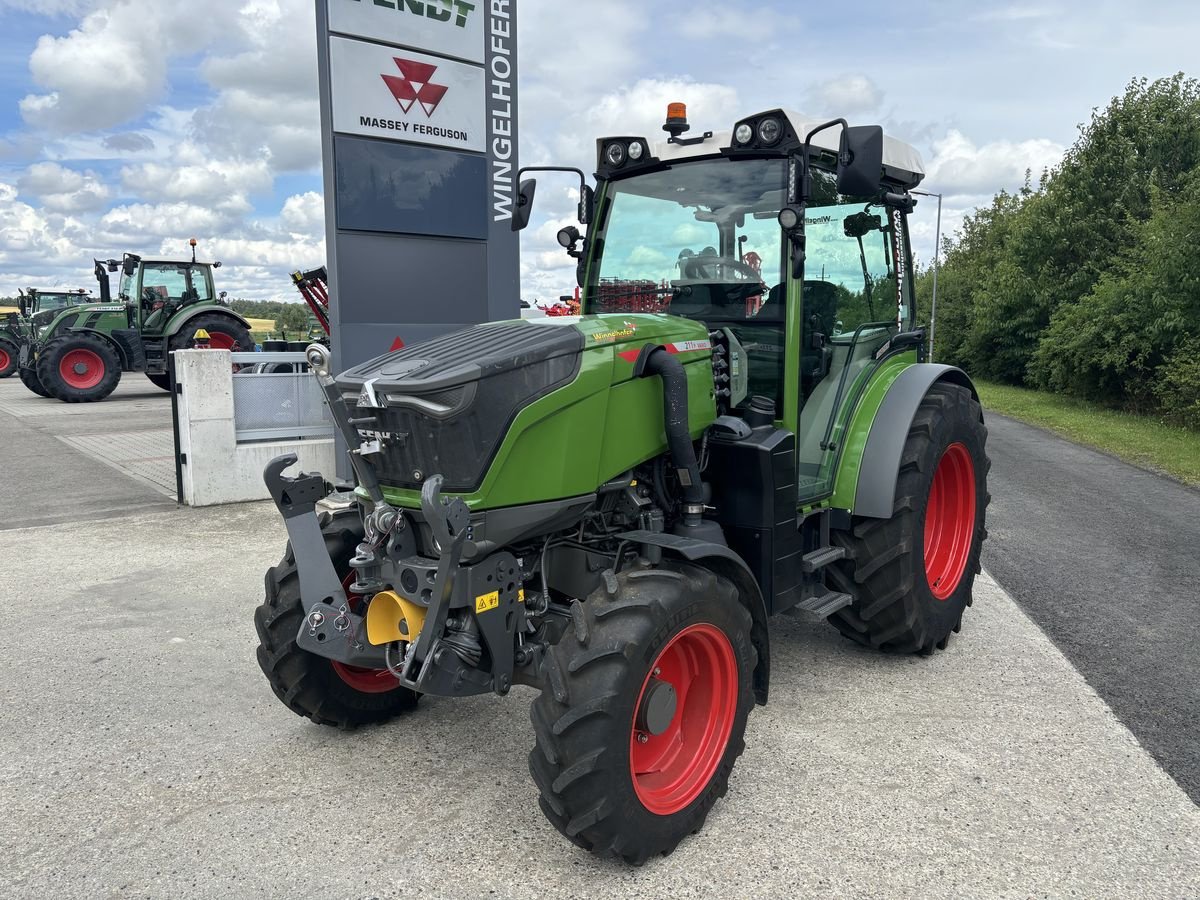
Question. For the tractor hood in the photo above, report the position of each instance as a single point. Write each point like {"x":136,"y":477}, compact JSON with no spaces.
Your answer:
{"x":449,"y":406}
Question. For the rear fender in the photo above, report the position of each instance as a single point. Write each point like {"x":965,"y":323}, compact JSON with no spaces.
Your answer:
{"x":720,"y":560}
{"x":187,"y":313}
{"x":875,"y":493}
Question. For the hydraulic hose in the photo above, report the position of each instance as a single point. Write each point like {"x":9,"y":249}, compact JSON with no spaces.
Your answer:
{"x":679,"y":438}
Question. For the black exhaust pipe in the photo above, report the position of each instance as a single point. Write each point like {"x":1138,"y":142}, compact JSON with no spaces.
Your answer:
{"x":679,"y":439}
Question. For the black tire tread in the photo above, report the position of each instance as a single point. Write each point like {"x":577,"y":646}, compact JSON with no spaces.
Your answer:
{"x":878,"y":570}
{"x":51,"y":380}
{"x":305,"y":683}
{"x":29,"y":378}
{"x":576,"y":716}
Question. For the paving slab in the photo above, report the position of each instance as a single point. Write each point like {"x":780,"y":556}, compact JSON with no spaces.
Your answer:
{"x":143,"y":754}
{"x":46,"y":476}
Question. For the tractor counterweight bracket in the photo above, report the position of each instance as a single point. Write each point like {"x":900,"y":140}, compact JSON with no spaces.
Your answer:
{"x":329,"y":628}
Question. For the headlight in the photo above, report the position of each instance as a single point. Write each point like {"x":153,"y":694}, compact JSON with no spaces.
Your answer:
{"x":615,"y":154}
{"x":769,"y":130}
{"x":635,"y":150}
{"x":743,"y":133}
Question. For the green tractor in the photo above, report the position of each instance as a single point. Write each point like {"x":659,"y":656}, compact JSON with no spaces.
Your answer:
{"x":610,"y":507}
{"x":15,"y":329}
{"x":78,"y":355}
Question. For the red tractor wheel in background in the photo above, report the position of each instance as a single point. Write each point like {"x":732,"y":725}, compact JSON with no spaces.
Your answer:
{"x":79,"y":367}
{"x":911,"y":575}
{"x":644,"y":711}
{"x":8,"y":358}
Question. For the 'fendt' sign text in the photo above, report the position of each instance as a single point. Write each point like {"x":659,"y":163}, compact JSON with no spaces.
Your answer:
{"x":438,"y":10}
{"x":447,"y":27}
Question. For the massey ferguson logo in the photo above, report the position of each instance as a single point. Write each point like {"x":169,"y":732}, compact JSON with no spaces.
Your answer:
{"x":413,"y":85}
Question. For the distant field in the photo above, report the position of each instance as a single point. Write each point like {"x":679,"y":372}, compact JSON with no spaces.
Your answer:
{"x":1142,"y":441}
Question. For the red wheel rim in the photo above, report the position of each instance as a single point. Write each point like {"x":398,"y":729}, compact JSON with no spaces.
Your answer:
{"x":949,"y":521}
{"x":5,"y":359}
{"x":671,"y":769}
{"x":81,"y":368}
{"x":368,"y":681}
{"x":220,"y":340}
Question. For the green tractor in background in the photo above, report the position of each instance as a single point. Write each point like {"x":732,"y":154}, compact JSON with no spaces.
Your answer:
{"x":78,"y":355}
{"x":15,"y":330}
{"x":610,"y":507}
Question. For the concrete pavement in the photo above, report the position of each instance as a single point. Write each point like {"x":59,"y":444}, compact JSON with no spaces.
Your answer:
{"x":57,"y":460}
{"x":142,"y":754}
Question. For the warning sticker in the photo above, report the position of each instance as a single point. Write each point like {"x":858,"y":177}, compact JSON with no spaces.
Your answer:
{"x":484,"y":602}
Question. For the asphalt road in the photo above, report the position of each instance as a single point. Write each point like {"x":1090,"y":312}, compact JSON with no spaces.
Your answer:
{"x":1105,"y":557}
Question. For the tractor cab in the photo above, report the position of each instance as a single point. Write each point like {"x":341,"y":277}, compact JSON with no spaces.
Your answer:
{"x":155,"y":290}
{"x":32,"y":301}
{"x":786,"y":236}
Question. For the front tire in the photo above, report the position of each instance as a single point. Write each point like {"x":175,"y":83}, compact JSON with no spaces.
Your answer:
{"x":79,"y":368}
{"x":911,"y":576}
{"x":327,"y":692}
{"x":644,"y":711}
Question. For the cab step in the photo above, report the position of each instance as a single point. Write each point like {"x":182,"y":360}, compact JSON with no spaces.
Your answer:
{"x":826,"y":604}
{"x":819,"y":559}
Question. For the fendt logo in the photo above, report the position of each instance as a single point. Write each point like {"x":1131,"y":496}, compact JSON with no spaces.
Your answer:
{"x":413,"y":86}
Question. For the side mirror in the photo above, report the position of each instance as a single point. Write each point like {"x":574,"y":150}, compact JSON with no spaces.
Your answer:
{"x":130,"y":267}
{"x":520,"y":216}
{"x":860,"y":160}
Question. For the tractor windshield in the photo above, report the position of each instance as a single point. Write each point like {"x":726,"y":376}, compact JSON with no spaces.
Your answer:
{"x":699,"y":239}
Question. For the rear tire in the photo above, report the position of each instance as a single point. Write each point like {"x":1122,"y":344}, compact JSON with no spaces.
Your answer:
{"x":610,"y":782}
{"x":314,"y":686}
{"x":223,"y":332}
{"x":160,"y":379}
{"x":29,"y":378}
{"x":8,"y":358}
{"x":79,"y":368}
{"x":911,"y":575}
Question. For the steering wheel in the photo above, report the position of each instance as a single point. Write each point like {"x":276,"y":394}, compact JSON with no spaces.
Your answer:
{"x":713,"y":268}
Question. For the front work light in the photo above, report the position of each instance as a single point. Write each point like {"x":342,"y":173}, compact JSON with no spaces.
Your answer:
{"x":635,"y":150}
{"x":743,"y":134}
{"x":770,"y":130}
{"x":615,"y":154}
{"x":789,"y":218}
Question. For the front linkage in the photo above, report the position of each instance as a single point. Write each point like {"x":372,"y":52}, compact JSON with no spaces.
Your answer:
{"x":443,"y":614}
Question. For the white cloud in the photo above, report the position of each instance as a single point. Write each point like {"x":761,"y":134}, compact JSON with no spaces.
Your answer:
{"x":845,"y":95}
{"x":960,"y":167}
{"x":63,"y":190}
{"x":304,"y":214}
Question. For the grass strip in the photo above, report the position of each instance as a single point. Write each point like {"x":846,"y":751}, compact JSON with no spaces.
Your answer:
{"x":1136,"y":439}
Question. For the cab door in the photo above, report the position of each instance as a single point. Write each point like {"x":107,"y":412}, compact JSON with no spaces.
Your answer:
{"x":852,"y":299}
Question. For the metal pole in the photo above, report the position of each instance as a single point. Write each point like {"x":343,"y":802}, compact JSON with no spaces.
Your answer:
{"x":937,"y":249}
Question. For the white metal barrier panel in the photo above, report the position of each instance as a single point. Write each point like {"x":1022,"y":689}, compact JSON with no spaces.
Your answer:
{"x":229,"y":426}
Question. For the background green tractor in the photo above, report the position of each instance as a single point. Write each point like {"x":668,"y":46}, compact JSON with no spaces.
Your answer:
{"x":14,"y":330}
{"x":78,"y":355}
{"x":611,"y":507}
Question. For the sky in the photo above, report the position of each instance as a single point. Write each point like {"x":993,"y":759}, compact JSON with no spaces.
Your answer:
{"x":136,"y":124}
